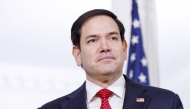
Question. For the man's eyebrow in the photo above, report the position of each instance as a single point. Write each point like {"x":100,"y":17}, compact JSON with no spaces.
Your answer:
{"x":90,"y":36}
{"x":93,"y":35}
{"x":114,"y":32}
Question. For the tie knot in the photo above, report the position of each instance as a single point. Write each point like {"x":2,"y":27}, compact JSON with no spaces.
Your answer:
{"x":104,"y":93}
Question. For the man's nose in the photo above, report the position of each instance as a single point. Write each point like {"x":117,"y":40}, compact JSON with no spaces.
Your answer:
{"x":104,"y":46}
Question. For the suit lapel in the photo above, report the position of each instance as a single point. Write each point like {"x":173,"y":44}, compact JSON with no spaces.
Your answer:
{"x":134,"y":91}
{"x":76,"y":100}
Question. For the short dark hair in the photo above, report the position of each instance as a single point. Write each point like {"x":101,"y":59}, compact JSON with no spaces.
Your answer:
{"x":77,"y":25}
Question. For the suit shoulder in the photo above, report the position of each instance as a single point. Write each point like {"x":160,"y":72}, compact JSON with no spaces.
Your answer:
{"x":167,"y":98}
{"x":155,"y":91}
{"x":54,"y":104}
{"x":151,"y":90}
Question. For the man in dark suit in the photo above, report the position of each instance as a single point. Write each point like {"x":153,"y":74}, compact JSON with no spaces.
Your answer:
{"x":100,"y":48}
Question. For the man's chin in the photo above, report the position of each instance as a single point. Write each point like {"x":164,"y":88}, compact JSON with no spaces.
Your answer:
{"x":107,"y":71}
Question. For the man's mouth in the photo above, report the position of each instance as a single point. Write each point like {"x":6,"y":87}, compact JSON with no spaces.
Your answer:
{"x":106,"y":58}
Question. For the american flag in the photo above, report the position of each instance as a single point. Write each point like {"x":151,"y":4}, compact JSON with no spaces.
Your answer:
{"x":139,"y":99}
{"x":137,"y":69}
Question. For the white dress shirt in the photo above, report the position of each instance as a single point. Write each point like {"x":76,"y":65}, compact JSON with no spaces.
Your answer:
{"x":115,"y":101}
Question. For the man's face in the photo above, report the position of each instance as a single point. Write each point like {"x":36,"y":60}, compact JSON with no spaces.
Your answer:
{"x":102,"y":52}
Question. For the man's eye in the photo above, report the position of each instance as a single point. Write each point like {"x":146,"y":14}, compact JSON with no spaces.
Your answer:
{"x":113,"y":38}
{"x":91,"y":41}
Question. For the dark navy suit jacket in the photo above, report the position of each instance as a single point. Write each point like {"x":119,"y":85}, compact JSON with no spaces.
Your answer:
{"x":154,"y":98}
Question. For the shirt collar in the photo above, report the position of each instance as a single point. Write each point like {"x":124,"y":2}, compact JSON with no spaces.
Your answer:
{"x":118,"y":87}
{"x":91,"y":90}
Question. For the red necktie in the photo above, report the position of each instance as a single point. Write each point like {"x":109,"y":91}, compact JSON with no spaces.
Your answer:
{"x":104,"y":94}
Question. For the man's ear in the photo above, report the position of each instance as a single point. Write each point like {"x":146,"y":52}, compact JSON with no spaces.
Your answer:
{"x":125,"y":49}
{"x":76,"y":54}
